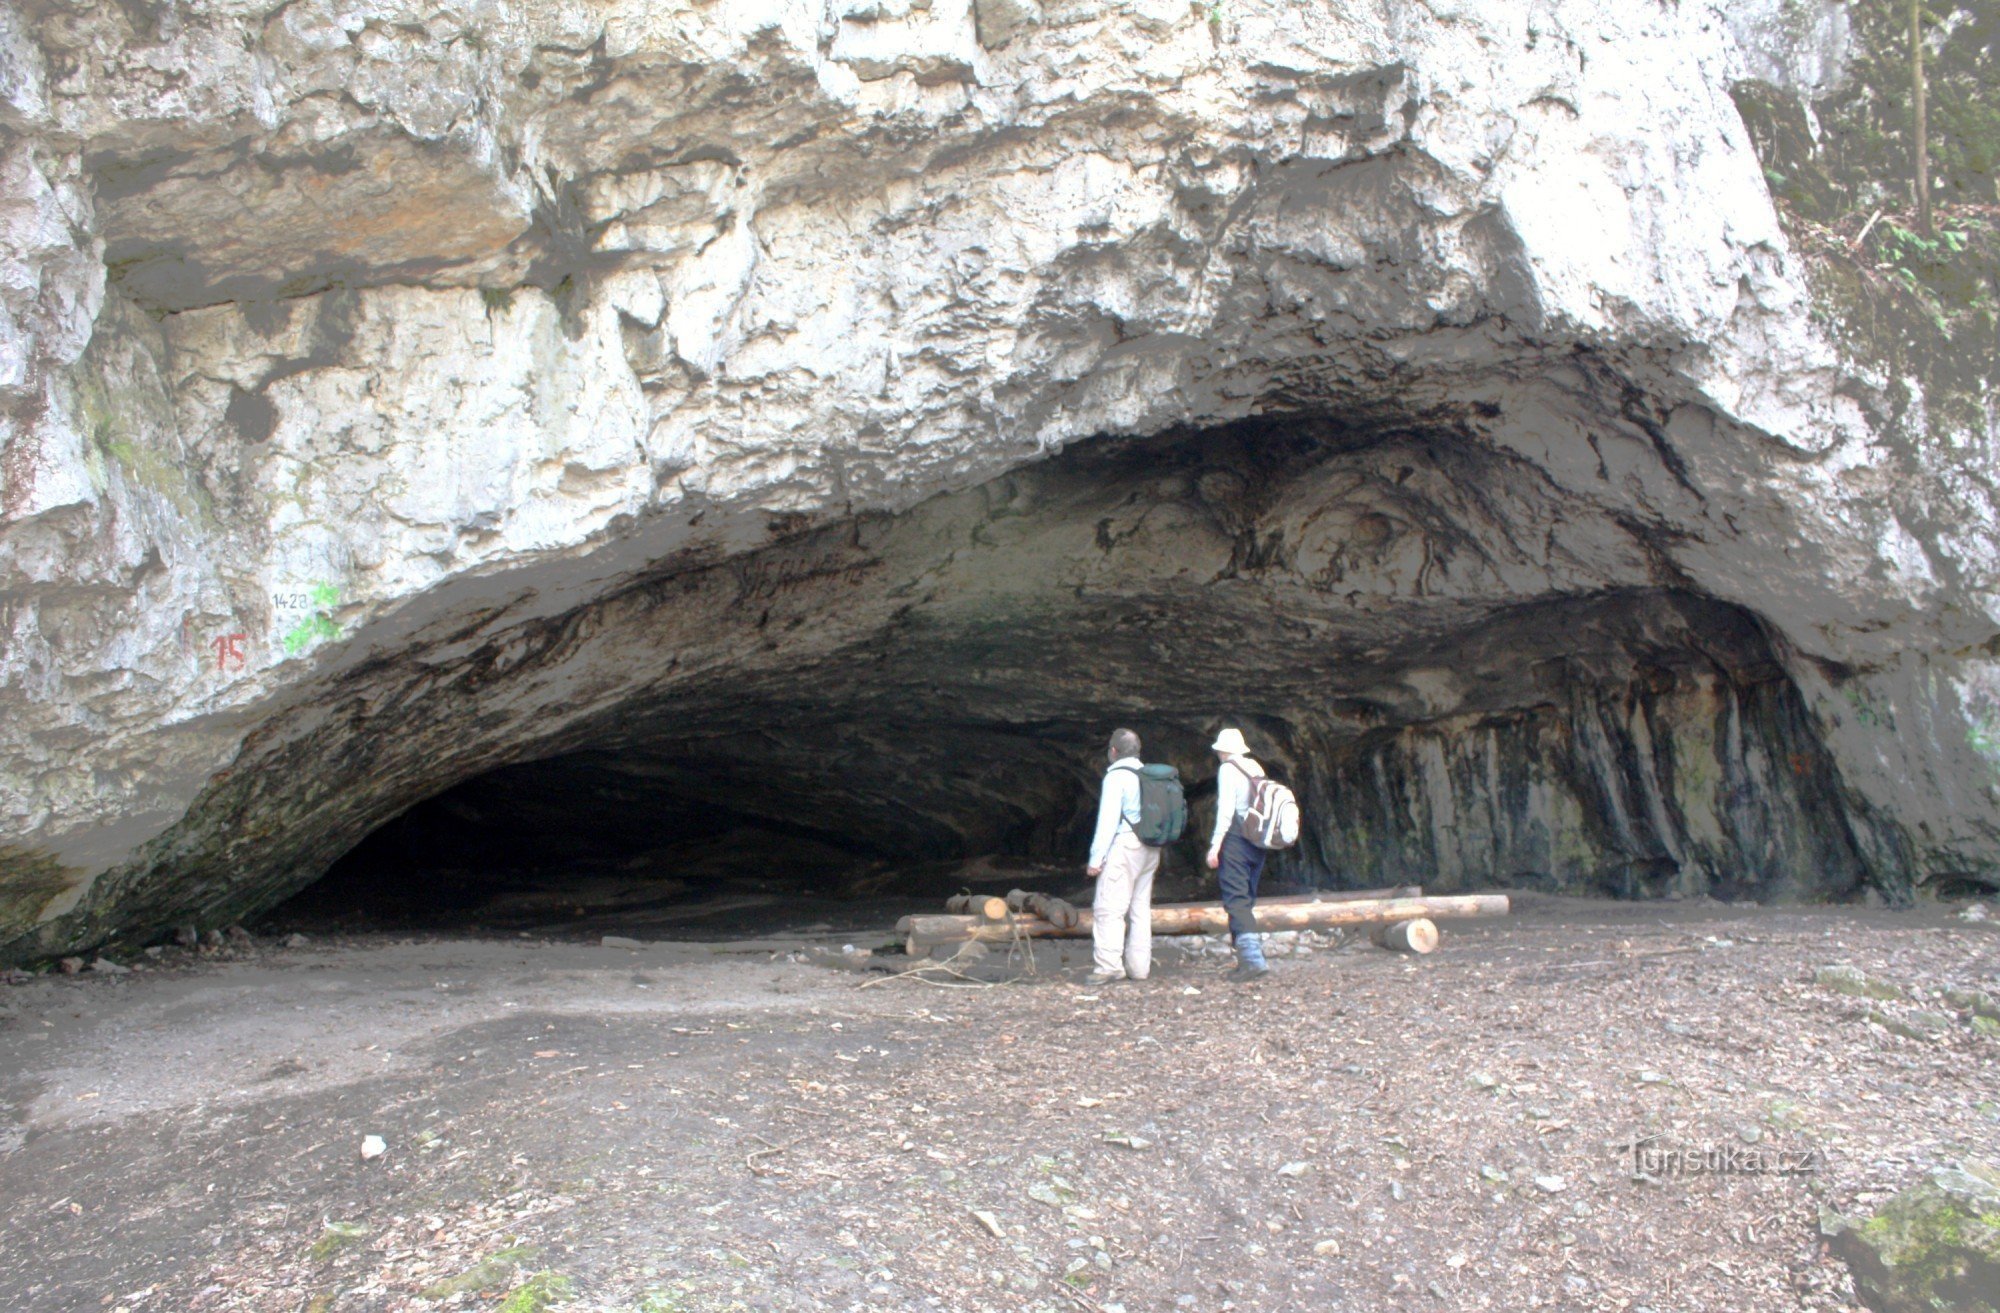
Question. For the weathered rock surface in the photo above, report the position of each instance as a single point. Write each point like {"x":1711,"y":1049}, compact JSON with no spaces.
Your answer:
{"x":1935,"y":1245}
{"x":391,"y":395}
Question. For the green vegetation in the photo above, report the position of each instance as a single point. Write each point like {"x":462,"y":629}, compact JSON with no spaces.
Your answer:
{"x":1982,"y":735}
{"x":317,"y":627}
{"x":1862,"y":156}
{"x":1934,"y":1245}
{"x":308,"y":632}
{"x":336,"y":1237}
{"x":544,"y":1290}
{"x":487,"y":1274}
{"x":1922,"y":301}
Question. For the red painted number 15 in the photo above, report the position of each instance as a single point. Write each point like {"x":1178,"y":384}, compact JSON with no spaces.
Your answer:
{"x":228,"y":649}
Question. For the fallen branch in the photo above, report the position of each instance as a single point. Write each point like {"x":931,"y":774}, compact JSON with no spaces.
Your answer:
{"x":1866,"y":228}
{"x":918,"y":970}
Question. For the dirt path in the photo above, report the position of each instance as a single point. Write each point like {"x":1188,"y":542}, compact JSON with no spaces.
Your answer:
{"x":694,"y":1127}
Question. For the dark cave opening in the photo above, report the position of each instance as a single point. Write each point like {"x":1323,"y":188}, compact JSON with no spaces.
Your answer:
{"x":1473,"y":679}
{"x":1659,"y":754}
{"x":736,"y":833}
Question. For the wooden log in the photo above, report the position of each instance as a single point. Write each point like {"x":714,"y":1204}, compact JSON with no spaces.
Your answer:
{"x":1343,"y":895}
{"x":1046,"y":906}
{"x":1210,"y":918}
{"x":986,"y":907}
{"x":1418,"y":935}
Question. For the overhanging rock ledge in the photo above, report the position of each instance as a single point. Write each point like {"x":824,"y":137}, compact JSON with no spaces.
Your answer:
{"x":392,"y":395}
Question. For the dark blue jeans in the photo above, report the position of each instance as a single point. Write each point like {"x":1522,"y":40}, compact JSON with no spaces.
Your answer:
{"x":1242,"y":866}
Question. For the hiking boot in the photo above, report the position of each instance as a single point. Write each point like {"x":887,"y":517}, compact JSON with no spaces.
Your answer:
{"x":1103,"y":978}
{"x":1250,"y":958}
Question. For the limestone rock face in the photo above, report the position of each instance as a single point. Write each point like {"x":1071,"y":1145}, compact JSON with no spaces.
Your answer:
{"x":390,"y":395}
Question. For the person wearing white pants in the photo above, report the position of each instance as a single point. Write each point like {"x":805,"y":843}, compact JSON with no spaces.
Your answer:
{"x":1122,"y":913}
{"x":1121,"y":934}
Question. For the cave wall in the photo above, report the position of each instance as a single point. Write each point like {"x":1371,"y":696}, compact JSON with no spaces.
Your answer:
{"x":389,"y":395}
{"x":1679,"y":787}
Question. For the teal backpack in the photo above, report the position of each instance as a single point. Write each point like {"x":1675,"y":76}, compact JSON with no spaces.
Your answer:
{"x":1162,"y":805}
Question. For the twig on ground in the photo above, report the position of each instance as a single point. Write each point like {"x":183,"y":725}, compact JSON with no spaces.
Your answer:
{"x":750,"y":1159}
{"x":916,"y":973}
{"x":1019,"y":944}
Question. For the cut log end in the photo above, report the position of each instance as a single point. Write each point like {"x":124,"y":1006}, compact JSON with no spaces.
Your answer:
{"x":1414,"y":936}
{"x":984,"y":906}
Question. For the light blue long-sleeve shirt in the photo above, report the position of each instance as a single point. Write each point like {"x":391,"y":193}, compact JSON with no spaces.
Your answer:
{"x":1117,"y":807}
{"x":1232,"y":797}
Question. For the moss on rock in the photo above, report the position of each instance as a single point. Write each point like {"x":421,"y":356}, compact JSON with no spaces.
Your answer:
{"x":544,"y":1290}
{"x":1852,"y":980}
{"x":489,"y":1273}
{"x":1934,"y":1246}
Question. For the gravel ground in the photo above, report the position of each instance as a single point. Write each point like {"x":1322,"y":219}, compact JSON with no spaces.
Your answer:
{"x":724,"y":1126}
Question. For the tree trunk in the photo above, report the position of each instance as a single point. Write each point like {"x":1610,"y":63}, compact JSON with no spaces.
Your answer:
{"x":1921,"y":117}
{"x":1209,"y":918}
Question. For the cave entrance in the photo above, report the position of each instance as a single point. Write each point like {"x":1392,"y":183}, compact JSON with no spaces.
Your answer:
{"x":837,"y":826}
{"x":1473,"y":679}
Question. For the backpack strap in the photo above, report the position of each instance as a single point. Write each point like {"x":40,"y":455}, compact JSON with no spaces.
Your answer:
{"x":1138,"y":773}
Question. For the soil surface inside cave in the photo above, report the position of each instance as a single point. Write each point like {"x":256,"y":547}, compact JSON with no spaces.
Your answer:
{"x":733,"y":1124}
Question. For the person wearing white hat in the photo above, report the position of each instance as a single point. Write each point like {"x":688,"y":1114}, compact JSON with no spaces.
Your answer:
{"x":1238,"y":862}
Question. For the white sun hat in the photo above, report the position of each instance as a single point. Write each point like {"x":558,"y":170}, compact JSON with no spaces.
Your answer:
{"x":1231,"y":740}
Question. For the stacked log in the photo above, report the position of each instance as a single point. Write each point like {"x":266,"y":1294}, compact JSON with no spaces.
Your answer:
{"x":922,"y":932}
{"x":1045,"y":906}
{"x":984,"y":906}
